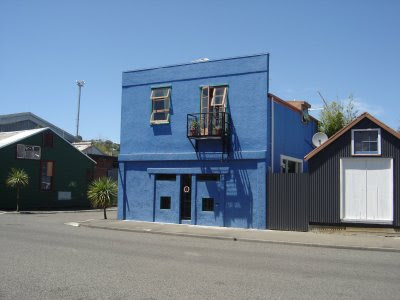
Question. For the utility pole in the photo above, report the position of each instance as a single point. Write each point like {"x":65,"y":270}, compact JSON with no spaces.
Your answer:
{"x":80,"y":84}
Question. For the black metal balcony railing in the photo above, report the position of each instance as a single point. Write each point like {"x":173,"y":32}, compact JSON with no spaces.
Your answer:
{"x":207,"y":125}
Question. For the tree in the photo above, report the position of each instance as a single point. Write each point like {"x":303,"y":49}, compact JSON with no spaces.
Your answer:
{"x":107,"y":146}
{"x":17,"y":178}
{"x":334,"y":116}
{"x":102,"y":193}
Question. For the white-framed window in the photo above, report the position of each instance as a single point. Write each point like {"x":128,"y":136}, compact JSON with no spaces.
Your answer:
{"x":366,"y":141}
{"x":291,"y":164}
{"x":219,"y":96}
{"x":160,"y":105}
{"x":28,"y":152}
{"x":213,"y":98}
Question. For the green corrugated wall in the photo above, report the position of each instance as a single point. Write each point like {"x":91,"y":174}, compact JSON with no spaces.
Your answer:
{"x":70,"y":175}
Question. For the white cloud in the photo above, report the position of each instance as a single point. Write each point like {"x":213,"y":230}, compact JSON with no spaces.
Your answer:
{"x":362,"y":106}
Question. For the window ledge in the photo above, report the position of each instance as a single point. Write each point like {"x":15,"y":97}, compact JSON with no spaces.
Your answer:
{"x":159,"y":122}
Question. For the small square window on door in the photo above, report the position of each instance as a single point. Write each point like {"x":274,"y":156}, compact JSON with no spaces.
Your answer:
{"x":165,"y":202}
{"x":208,"y":204}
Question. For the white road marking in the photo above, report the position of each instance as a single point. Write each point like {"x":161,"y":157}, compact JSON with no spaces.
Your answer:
{"x":75,"y":224}
{"x":88,"y":220}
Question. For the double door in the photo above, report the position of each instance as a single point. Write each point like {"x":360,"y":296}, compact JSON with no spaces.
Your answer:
{"x":367,"y":190}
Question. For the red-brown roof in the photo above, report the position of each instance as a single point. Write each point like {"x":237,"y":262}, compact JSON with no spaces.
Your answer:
{"x":288,"y":105}
{"x":347,"y":128}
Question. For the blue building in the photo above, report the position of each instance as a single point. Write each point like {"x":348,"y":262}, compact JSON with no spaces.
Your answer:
{"x":198,"y":140}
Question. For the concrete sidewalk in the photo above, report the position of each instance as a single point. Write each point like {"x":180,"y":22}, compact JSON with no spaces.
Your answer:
{"x":311,"y":239}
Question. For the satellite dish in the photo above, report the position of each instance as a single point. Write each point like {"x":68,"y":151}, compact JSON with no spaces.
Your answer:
{"x":319,"y":138}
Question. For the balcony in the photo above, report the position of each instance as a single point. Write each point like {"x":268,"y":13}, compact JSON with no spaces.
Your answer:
{"x":214,"y":125}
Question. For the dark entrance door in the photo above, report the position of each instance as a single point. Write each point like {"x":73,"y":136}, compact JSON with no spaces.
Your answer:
{"x":186,"y":197}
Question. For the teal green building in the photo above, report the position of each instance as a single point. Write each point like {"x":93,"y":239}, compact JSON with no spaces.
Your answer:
{"x":59,"y":173}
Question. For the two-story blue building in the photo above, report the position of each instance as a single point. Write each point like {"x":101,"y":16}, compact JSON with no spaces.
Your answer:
{"x":198,"y":140}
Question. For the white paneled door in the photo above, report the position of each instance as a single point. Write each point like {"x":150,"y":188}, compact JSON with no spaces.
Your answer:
{"x":366,"y":190}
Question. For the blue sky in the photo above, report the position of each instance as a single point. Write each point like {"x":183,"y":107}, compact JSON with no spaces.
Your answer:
{"x":335,"y":47}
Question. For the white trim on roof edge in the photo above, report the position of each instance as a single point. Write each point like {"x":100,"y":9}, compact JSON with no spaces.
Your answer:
{"x":23,"y":134}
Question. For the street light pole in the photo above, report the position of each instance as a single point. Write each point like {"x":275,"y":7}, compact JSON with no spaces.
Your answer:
{"x":80,"y":84}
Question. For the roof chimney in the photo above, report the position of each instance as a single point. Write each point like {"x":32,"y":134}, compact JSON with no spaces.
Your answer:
{"x":300,"y":105}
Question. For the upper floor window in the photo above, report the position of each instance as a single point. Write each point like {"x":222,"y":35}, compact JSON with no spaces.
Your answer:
{"x":366,"y":141}
{"x":28,"y":151}
{"x":46,"y":175}
{"x":160,"y":105}
{"x":291,"y":164}
{"x":48,"y":140}
{"x":213,"y":99}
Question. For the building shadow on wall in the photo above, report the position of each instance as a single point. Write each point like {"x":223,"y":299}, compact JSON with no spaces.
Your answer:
{"x":238,"y":202}
{"x":239,"y":195}
{"x":125,"y":203}
{"x":162,"y":129}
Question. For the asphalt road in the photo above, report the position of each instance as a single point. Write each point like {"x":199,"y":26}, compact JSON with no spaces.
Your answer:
{"x":41,"y":258}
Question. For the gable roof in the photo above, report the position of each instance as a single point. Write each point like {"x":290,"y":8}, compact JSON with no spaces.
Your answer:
{"x":11,"y":137}
{"x":88,"y":148}
{"x":347,"y":128}
{"x":24,"y":116}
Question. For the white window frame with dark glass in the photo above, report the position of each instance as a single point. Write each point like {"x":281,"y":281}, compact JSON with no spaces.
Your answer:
{"x":29,"y":152}
{"x":362,"y":142}
{"x":213,"y":99}
{"x":288,"y":163}
{"x":160,"y":105}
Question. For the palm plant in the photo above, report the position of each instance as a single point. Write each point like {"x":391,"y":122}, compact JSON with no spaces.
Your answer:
{"x":17,"y":178}
{"x":102,"y":193}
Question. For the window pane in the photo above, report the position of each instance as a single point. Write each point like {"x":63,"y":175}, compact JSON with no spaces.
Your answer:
{"x":165,"y":202}
{"x":365,"y":142}
{"x":48,"y":139}
{"x":208,"y":204}
{"x":159,"y":105}
{"x":160,"y":116}
{"x":220,"y":91}
{"x":218,"y":100}
{"x":219,"y":96}
{"x":46,"y":173}
{"x":171,"y":177}
{"x":204,"y":105}
{"x":291,"y":166}
{"x":49,"y":168}
{"x":161,"y":92}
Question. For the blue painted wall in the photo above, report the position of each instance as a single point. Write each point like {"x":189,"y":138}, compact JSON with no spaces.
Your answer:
{"x":291,"y":136}
{"x":147,"y":150}
{"x":240,"y":193}
{"x":247,"y":79}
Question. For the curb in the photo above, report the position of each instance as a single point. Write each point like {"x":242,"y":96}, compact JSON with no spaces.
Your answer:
{"x":246,"y":240}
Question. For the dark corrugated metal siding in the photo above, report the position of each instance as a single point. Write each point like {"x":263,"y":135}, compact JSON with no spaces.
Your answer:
{"x":17,"y":126}
{"x":324,"y":171}
{"x":288,"y":196}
